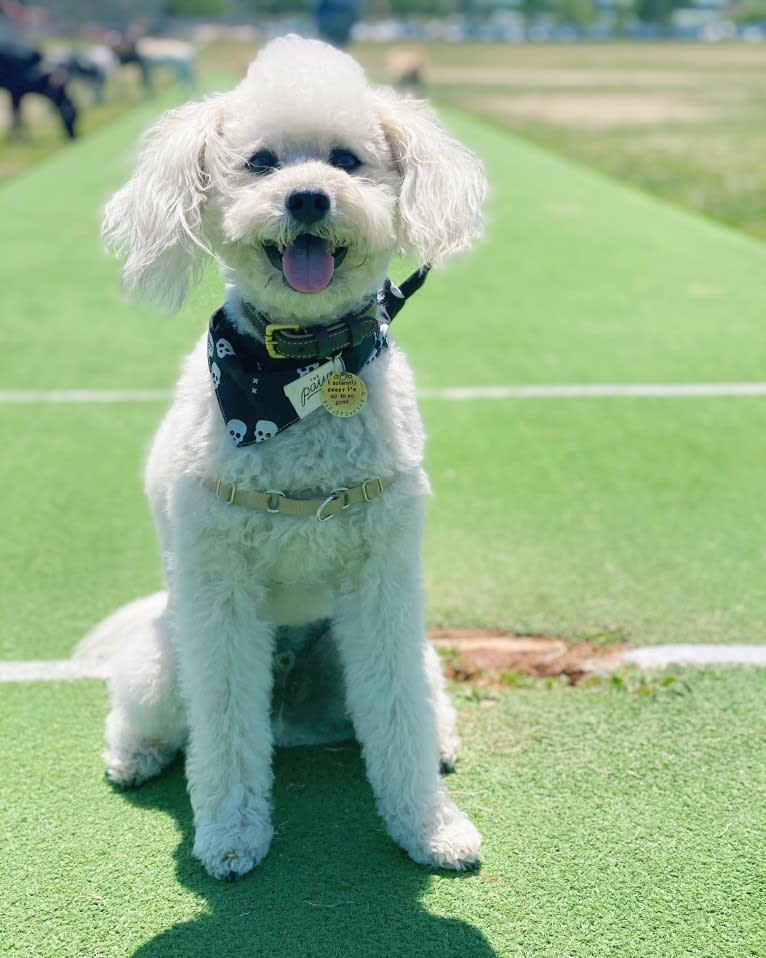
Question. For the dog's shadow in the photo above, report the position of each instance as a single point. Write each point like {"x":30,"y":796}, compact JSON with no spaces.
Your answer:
{"x":333,"y":883}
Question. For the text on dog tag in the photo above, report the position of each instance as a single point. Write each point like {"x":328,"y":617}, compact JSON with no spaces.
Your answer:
{"x":344,"y":395}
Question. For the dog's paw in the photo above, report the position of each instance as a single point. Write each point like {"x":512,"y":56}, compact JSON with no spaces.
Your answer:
{"x":453,"y":842}
{"x":449,"y":743}
{"x":455,"y":845}
{"x":228,"y":853}
{"x":129,"y":769}
{"x":448,"y":756}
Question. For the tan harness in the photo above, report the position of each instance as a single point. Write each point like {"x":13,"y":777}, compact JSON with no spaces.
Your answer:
{"x":276,"y":502}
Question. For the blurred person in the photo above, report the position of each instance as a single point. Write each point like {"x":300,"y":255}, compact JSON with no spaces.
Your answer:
{"x":335,"y":18}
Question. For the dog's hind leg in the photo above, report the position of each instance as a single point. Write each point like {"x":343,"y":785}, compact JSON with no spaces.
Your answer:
{"x":146,"y":726}
{"x":444,"y":712}
{"x":308,"y":701}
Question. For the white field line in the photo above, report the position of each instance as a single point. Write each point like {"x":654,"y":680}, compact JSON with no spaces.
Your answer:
{"x":454,"y":393}
{"x":11,"y":397}
{"x":651,"y":657}
{"x":597,"y":391}
{"x":51,"y":670}
{"x":661,"y":656}
{"x":656,"y":657}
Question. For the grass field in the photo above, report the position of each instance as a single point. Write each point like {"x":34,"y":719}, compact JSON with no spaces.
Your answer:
{"x":614,"y":823}
{"x":685,"y":121}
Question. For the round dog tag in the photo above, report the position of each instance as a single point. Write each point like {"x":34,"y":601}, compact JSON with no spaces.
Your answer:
{"x":344,"y":395}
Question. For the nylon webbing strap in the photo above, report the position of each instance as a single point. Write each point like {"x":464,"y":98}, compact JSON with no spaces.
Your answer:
{"x":394,"y":297}
{"x":277,"y":503}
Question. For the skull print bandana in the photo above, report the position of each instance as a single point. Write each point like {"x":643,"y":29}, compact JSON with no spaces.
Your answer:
{"x":250,"y":385}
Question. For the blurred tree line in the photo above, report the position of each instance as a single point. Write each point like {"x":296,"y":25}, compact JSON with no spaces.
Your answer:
{"x":579,"y":13}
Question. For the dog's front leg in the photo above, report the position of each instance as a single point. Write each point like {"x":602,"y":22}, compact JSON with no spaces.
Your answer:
{"x":225,"y":655}
{"x":225,"y":662}
{"x":380,"y":633}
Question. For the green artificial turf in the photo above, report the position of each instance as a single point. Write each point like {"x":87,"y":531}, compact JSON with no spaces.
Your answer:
{"x":77,"y":539}
{"x":644,"y":518}
{"x":614,"y":825}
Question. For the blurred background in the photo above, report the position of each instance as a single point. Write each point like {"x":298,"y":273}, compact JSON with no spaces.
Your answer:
{"x":667,"y":94}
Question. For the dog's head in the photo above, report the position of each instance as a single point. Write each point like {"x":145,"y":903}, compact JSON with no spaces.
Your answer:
{"x":302,"y":182}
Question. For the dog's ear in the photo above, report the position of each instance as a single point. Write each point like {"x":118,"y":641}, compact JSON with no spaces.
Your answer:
{"x":444,"y":186}
{"x":155,"y":221}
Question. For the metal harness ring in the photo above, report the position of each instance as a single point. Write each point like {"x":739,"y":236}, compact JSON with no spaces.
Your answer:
{"x":335,"y":494}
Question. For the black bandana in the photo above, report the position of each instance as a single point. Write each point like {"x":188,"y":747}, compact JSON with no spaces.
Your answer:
{"x":249,"y":383}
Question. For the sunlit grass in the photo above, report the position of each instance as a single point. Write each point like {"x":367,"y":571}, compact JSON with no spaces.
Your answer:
{"x":686,"y":122}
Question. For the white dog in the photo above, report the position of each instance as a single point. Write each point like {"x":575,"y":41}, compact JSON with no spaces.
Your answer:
{"x":289,"y":511}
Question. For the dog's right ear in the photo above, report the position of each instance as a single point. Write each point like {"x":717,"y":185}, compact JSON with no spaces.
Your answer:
{"x":155,"y":221}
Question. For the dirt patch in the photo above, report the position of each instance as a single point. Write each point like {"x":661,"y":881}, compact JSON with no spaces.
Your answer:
{"x":544,"y":76}
{"x":596,"y":111}
{"x":492,"y":658}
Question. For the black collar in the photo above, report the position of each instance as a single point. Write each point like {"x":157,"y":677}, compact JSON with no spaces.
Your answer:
{"x":317,"y":343}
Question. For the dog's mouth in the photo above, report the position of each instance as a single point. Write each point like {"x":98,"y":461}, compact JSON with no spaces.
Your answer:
{"x":308,"y":263}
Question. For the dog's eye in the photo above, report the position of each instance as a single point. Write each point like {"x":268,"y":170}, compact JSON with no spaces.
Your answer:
{"x":344,"y":160}
{"x":264,"y":161}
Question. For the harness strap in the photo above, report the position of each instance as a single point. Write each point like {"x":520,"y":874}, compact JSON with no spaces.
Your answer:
{"x":276,"y":502}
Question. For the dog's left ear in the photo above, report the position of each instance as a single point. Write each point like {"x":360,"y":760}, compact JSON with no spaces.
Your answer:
{"x":443,"y":187}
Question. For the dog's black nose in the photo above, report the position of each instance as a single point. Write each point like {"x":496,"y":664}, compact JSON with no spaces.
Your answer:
{"x":308,"y":206}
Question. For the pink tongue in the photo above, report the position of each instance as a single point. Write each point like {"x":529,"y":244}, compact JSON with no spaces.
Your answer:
{"x":307,"y":264}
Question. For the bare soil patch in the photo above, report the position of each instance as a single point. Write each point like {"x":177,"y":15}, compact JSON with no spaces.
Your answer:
{"x":483,"y":657}
{"x":597,"y":111}
{"x":564,"y":79}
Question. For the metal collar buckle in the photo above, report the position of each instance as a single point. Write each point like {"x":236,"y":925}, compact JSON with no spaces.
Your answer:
{"x":268,"y":338}
{"x":336,"y":494}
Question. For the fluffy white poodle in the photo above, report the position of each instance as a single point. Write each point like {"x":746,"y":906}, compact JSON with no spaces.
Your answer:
{"x":289,"y":510}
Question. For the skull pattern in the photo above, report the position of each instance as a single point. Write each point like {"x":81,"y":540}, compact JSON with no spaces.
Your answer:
{"x":265,"y":429}
{"x":224,"y":348}
{"x":237,"y":429}
{"x":215,"y":372}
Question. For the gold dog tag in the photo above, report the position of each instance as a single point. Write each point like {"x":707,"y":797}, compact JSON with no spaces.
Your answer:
{"x":344,"y":395}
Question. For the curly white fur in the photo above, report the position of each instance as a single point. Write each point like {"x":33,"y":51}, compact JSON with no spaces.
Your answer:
{"x":197,"y":671}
